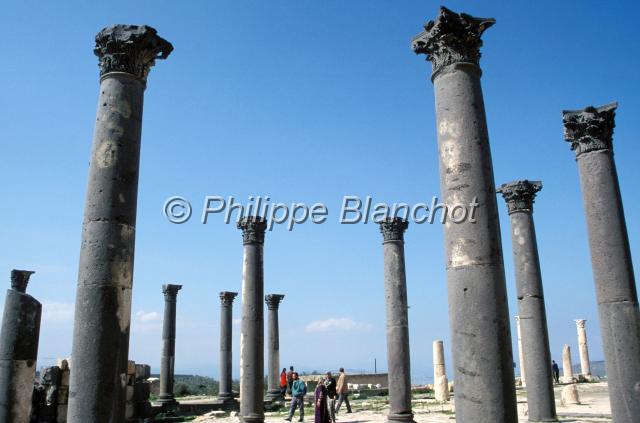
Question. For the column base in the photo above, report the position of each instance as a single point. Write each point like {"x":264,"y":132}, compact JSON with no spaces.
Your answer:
{"x":168,"y":402}
{"x":226,"y":396}
{"x":252,"y":418}
{"x":400,"y":417}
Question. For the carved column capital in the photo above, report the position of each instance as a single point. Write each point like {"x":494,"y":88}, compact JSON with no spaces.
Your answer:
{"x":273,"y":301}
{"x":520,"y":195}
{"x":393,"y":228}
{"x":580,"y":323}
{"x":131,"y":49}
{"x":171,"y":291}
{"x":227,"y":297}
{"x":253,"y":228}
{"x":20,"y":279}
{"x":451,"y":38}
{"x":590,"y":129}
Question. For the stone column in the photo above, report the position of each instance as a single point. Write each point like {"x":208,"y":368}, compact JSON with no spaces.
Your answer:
{"x":440,"y":382}
{"x":567,"y":366}
{"x":585,"y":367}
{"x":226,"y":330}
{"x":18,"y":349}
{"x":252,"y":334}
{"x":523,"y":375}
{"x":103,"y":299}
{"x":395,"y":291}
{"x":167,"y":360}
{"x":273,"y":390}
{"x":590,"y":133}
{"x":478,"y":309}
{"x":532,"y":316}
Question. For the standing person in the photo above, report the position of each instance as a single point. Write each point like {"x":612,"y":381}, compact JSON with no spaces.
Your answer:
{"x":290,"y":379}
{"x":343,"y":391}
{"x":330,"y":383}
{"x":320,"y":402}
{"x":298,"y":391}
{"x":556,"y":371}
{"x":284,"y":383}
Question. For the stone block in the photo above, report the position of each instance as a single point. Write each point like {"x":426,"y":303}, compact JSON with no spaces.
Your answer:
{"x":143,"y":371}
{"x":142,"y":391}
{"x":129,"y":410}
{"x":63,"y":363}
{"x":61,"y":414}
{"x":63,"y":395}
{"x":570,"y":395}
{"x":65,"y":375}
{"x":129,"y":393}
{"x":131,"y":368}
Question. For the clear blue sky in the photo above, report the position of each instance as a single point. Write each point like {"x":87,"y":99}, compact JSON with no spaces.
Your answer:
{"x":305,"y":102}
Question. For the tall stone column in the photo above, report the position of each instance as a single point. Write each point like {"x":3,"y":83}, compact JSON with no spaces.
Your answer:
{"x":103,"y":298}
{"x":532,"y":316}
{"x":167,"y":359}
{"x":567,"y":366}
{"x":590,"y":132}
{"x":225,"y":391}
{"x":585,"y":366}
{"x":395,"y":292}
{"x":440,"y":382}
{"x":478,"y":309}
{"x":273,"y":389}
{"x":252,"y":334}
{"x":523,"y":374}
{"x":18,"y":349}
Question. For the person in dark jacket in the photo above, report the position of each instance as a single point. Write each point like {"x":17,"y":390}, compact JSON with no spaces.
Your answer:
{"x":322,"y":415}
{"x":332,"y":394}
{"x":556,"y":371}
{"x":298,"y":391}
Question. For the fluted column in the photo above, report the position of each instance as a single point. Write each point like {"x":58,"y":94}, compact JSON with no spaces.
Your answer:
{"x":225,"y":391}
{"x":273,"y":390}
{"x":590,"y":132}
{"x":395,"y":291}
{"x":583,"y":349}
{"x":19,"y":338}
{"x":103,"y":299}
{"x":478,"y":309}
{"x":532,"y":315}
{"x":252,"y":334}
{"x":167,"y":360}
{"x":567,"y":365}
{"x":523,"y":373}
{"x":440,"y":382}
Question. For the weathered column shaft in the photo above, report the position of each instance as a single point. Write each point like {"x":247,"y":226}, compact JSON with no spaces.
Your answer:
{"x":478,"y":308}
{"x":523,"y":375}
{"x":273,"y":389}
{"x":583,"y":349}
{"x":19,"y":337}
{"x":226,"y":330}
{"x":252,"y":335}
{"x":440,"y":382}
{"x":395,"y":290}
{"x":532,"y":316}
{"x":567,"y":365}
{"x":590,"y":132}
{"x":103,"y":300}
{"x":167,"y":359}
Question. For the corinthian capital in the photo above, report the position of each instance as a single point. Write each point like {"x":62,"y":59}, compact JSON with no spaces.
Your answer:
{"x":590,"y":129}
{"x":393,"y":228}
{"x":171,"y":291}
{"x":253,"y":228}
{"x":580,"y":323}
{"x":520,"y":195}
{"x":20,"y":279}
{"x":226,"y":297}
{"x":131,"y":49}
{"x":273,"y":301}
{"x":451,"y":38}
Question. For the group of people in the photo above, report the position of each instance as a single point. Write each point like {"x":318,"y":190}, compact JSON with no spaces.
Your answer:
{"x":328,"y":396}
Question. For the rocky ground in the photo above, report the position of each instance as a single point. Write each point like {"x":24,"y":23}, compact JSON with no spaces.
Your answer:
{"x":594,"y":408}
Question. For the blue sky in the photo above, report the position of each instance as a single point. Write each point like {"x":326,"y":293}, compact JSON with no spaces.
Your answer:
{"x":304,"y":102}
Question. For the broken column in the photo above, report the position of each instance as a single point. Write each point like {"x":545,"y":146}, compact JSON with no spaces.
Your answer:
{"x":18,"y":349}
{"x":479,"y":315}
{"x":585,"y":367}
{"x":167,"y":360}
{"x":252,"y":333}
{"x":440,"y":382}
{"x":225,"y":391}
{"x":274,"y":393}
{"x":532,"y":316}
{"x":523,"y":375}
{"x":590,"y":132}
{"x":395,"y":291}
{"x":103,"y":299}
{"x":567,"y":367}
